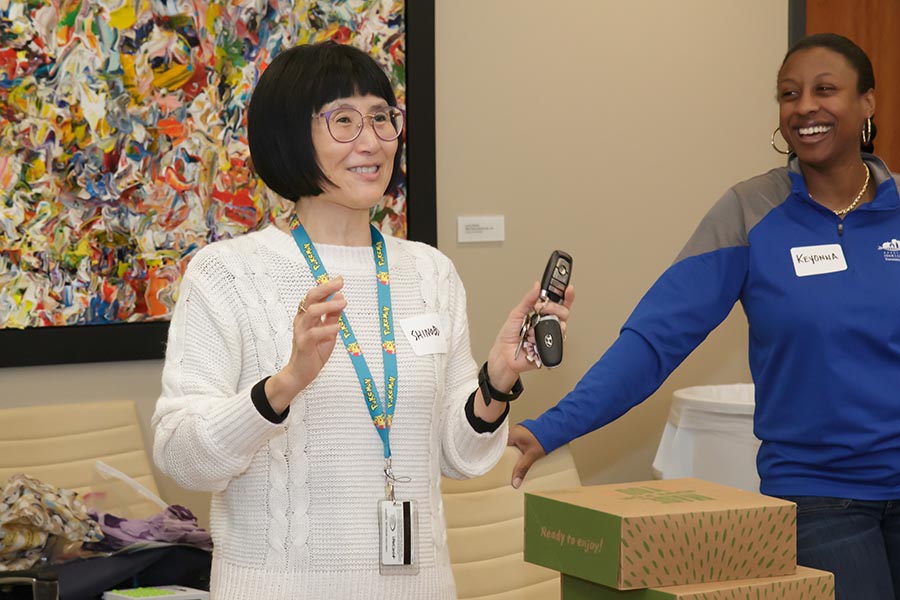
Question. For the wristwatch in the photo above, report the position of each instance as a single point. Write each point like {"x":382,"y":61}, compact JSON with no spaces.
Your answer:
{"x":488,"y":392}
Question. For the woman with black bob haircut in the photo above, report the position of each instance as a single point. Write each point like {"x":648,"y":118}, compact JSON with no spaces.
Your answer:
{"x":302,"y":80}
{"x":324,"y":463}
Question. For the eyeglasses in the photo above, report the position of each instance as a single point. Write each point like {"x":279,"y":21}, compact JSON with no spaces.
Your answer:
{"x":345,"y":123}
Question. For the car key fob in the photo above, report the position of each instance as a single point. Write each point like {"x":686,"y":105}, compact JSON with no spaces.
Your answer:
{"x":556,"y":276}
{"x":548,"y":338}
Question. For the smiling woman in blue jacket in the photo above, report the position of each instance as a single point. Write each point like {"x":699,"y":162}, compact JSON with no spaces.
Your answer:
{"x":812,"y":252}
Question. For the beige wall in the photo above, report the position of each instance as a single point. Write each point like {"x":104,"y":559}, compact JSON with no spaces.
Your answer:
{"x":602,"y":128}
{"x":606,"y":129}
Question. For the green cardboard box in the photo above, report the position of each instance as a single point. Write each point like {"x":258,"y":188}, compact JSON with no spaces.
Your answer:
{"x":805,"y":584}
{"x":659,"y":533}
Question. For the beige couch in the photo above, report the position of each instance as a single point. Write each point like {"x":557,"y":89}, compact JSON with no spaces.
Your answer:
{"x":485,"y":526}
{"x":59,"y":445}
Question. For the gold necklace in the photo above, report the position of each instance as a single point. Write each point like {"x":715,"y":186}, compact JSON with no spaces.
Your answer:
{"x":856,"y":200}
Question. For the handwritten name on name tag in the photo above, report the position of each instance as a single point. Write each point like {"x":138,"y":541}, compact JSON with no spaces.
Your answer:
{"x":818,"y":260}
{"x":426,"y":334}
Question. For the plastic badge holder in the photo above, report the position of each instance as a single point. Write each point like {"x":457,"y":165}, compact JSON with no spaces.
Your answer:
{"x":163,"y":592}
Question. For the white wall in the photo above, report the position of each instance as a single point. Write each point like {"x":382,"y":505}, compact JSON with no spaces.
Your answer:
{"x":602,"y":128}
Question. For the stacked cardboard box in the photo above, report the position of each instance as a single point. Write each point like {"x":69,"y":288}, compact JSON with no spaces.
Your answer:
{"x":804,"y":584}
{"x":652,"y":535}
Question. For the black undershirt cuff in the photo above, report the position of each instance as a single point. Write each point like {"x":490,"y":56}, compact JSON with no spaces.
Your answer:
{"x":483,"y":426}
{"x":261,"y":402}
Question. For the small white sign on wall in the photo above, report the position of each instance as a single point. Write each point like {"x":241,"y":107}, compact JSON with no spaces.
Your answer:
{"x":484,"y":228}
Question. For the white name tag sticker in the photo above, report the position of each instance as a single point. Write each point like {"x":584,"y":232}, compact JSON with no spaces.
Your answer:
{"x":426,"y":334}
{"x":818,"y":260}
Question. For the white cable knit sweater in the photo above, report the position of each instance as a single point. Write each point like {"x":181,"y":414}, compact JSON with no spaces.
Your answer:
{"x":294,"y":505}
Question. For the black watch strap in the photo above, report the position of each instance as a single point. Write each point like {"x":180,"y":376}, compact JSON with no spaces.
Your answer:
{"x":489,"y":393}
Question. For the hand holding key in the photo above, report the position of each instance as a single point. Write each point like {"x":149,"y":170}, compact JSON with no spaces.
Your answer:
{"x":505,"y":361}
{"x":541,"y":334}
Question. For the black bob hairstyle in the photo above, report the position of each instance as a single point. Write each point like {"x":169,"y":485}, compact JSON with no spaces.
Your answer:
{"x":295,"y":86}
{"x":855,"y":56}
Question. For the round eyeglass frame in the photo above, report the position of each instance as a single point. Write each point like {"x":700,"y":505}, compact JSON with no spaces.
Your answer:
{"x":327,"y":116}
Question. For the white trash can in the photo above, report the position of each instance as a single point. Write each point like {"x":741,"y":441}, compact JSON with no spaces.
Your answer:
{"x":709,"y":435}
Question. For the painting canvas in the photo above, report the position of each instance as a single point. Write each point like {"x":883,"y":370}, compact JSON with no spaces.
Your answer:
{"x":123,"y":150}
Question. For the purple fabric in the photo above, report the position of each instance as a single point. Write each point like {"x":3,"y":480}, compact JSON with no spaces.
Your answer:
{"x":175,"y":525}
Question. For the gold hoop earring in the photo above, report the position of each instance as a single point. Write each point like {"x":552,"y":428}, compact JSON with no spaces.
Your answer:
{"x":867,"y":132}
{"x":777,"y":149}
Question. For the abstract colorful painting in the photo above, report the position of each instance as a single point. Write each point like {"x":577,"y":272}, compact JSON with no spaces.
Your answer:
{"x":123,"y":147}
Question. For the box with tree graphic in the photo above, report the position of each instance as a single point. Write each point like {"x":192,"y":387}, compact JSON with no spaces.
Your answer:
{"x":660,"y":533}
{"x":805,"y":584}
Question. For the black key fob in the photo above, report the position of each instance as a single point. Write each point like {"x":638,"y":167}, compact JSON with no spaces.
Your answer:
{"x":556,"y":277}
{"x":548,"y":338}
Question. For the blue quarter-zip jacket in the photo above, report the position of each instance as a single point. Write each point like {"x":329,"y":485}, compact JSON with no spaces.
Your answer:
{"x":824,"y":346}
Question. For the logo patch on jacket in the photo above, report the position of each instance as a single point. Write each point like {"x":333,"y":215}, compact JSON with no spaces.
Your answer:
{"x":891,"y":250}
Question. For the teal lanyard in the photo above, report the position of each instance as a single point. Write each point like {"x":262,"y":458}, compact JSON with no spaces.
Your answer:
{"x":382,"y":413}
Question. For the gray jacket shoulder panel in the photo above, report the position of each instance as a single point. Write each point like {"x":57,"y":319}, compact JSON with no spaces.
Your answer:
{"x":729,"y":221}
{"x":880,"y":171}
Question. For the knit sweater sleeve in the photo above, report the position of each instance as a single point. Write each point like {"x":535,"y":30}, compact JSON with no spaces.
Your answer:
{"x":464,"y":452}
{"x":206,"y":429}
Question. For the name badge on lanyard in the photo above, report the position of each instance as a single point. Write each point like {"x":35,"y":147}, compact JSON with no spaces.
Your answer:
{"x":398,"y":527}
{"x":818,"y":260}
{"x":397,"y":519}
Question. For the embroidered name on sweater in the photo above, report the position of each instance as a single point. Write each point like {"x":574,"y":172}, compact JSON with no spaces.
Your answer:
{"x":818,"y":260}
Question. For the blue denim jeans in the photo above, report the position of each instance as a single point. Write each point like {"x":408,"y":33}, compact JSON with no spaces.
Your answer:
{"x":857,"y":540}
